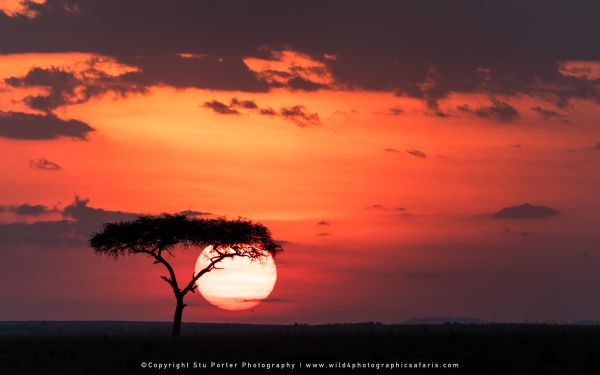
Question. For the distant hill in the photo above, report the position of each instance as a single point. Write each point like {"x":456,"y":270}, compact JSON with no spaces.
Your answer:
{"x":128,"y":328}
{"x":446,"y":319}
{"x":68,"y":328}
{"x":588,"y":323}
{"x":132,"y":328}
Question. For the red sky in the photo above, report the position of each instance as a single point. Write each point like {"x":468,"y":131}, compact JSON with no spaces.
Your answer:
{"x":382,"y":193}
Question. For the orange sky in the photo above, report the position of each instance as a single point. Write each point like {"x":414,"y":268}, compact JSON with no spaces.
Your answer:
{"x":164,"y":151}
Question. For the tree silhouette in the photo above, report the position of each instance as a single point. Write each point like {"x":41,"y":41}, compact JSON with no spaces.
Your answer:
{"x":157,"y":237}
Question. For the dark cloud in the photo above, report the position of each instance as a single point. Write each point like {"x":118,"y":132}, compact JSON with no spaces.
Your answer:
{"x":497,"y":111}
{"x":68,"y":87}
{"x":296,"y":114}
{"x":381,"y":207}
{"x":376,"y":206}
{"x":465,"y":108}
{"x":88,"y":219}
{"x":271,"y":73}
{"x":323,"y":234}
{"x":546,"y":114}
{"x":393,"y":150}
{"x":299,"y":83}
{"x":18,"y":125}
{"x":59,"y":233}
{"x":525,"y":211}
{"x":213,"y":71}
{"x":247,"y":104}
{"x":296,"y":75}
{"x":299,"y":116}
{"x":396,"y":111}
{"x":417,"y":153}
{"x":232,"y":107}
{"x":323,"y":222}
{"x":480,"y":55}
{"x":430,"y":89}
{"x":60,"y":82}
{"x":438,"y":113}
{"x":79,"y":222}
{"x":27,"y":209}
{"x":597,"y":146}
{"x":44,"y":164}
{"x":221,"y":108}
{"x":268,"y":112}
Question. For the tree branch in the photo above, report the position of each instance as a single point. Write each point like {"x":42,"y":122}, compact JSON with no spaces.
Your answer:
{"x":171,"y":280}
{"x":192,"y":284}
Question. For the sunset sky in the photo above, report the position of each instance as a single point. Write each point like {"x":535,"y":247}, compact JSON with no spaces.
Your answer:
{"x":378,"y":140}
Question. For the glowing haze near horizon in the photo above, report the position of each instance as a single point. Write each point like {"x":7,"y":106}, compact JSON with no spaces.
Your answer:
{"x":375,"y":140}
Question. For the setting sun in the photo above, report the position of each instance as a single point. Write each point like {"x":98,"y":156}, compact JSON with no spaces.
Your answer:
{"x":238,"y":283}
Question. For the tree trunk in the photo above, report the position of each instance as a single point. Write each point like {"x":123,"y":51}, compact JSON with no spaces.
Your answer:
{"x":177,"y":317}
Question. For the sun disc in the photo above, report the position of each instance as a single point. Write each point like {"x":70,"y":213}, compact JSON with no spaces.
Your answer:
{"x":238,"y":283}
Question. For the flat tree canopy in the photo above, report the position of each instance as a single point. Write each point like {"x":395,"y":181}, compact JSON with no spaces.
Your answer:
{"x":155,"y":234}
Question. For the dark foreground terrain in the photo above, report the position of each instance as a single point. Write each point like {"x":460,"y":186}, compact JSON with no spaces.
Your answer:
{"x":123,"y":348}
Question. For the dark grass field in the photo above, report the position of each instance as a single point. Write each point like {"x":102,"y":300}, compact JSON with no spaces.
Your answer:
{"x":120,"y":348}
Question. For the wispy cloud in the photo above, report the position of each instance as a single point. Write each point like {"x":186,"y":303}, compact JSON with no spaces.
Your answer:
{"x":44,"y":164}
{"x":298,"y":114}
{"x":417,"y":153}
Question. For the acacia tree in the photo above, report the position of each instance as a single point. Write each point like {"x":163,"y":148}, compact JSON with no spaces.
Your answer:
{"x":157,"y":237}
